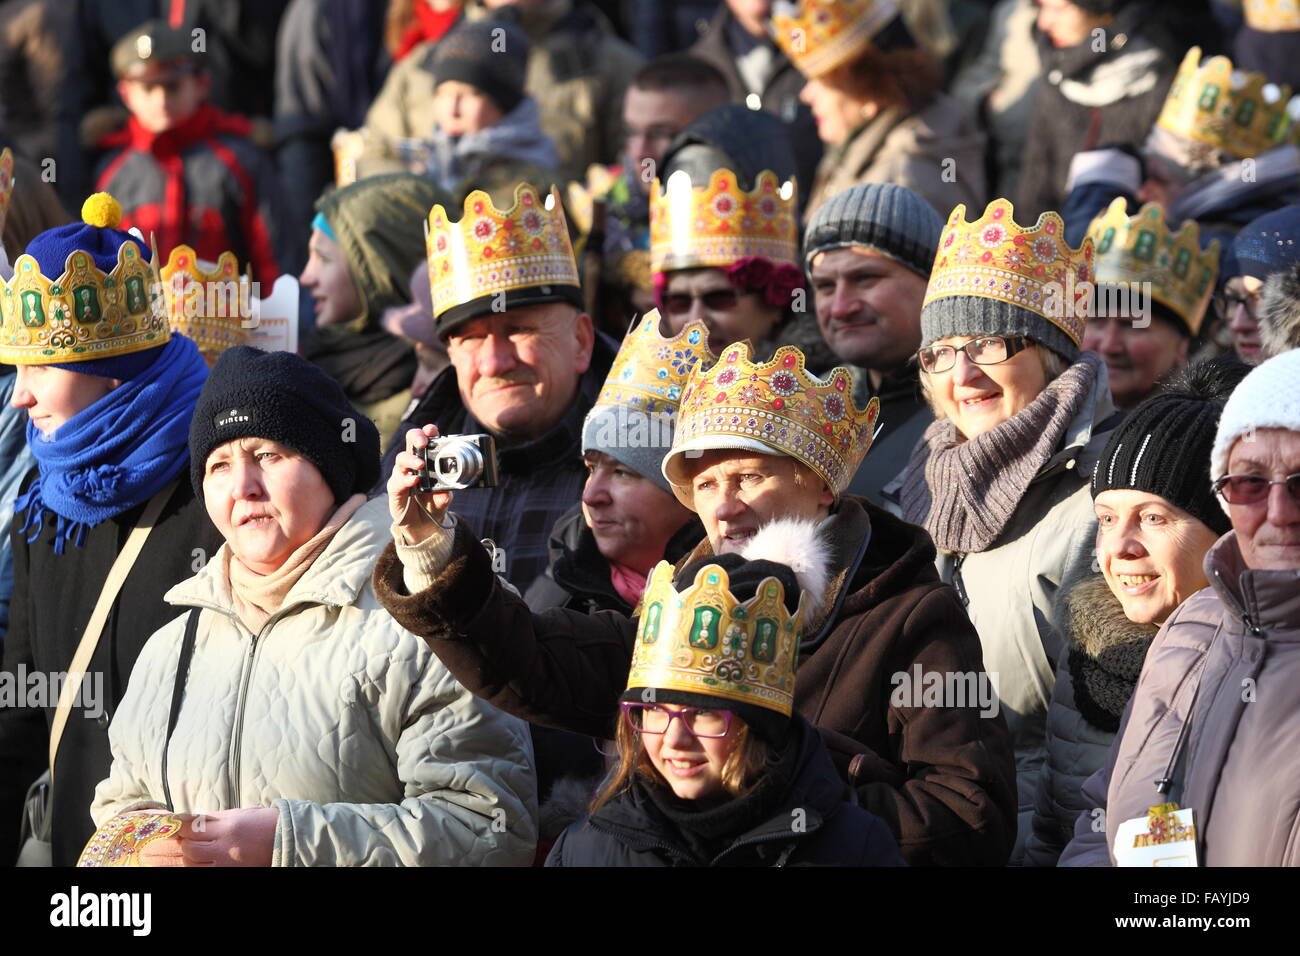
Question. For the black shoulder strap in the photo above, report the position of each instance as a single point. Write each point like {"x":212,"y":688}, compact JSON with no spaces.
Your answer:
{"x":178,"y":691}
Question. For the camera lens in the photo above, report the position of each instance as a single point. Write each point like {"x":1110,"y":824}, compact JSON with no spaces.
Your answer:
{"x":458,"y":464}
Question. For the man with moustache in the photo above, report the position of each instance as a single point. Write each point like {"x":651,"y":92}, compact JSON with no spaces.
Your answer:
{"x":868,"y":252}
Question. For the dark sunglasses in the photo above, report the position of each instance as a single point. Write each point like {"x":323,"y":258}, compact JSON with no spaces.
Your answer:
{"x":1252,"y":489}
{"x":720,"y":300}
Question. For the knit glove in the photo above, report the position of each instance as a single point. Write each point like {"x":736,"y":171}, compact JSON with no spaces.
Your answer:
{"x":244,"y":837}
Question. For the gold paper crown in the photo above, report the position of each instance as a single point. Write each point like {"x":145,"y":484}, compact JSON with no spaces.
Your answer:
{"x":704,"y":641}
{"x":6,"y":183}
{"x":1143,"y":249}
{"x":819,"y":35}
{"x":777,"y":406}
{"x":205,"y":306}
{"x":492,"y":251}
{"x":720,"y":224}
{"x":1241,"y":113}
{"x":83,"y":314}
{"x":651,"y":371}
{"x":120,"y":840}
{"x":1272,"y":16}
{"x":1033,"y":268}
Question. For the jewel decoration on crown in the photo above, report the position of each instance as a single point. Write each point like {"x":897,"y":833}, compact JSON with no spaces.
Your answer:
{"x":703,"y":640}
{"x":205,"y":305}
{"x":819,"y":35}
{"x":1239,"y":112}
{"x":783,"y":405}
{"x":650,"y":371}
{"x":83,"y":314}
{"x":1144,"y":249}
{"x":1033,"y":268}
{"x":719,"y":224}
{"x":492,"y":251}
{"x":6,"y":183}
{"x":120,"y":841}
{"x":1272,"y":16}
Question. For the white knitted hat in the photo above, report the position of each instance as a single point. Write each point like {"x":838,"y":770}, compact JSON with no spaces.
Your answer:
{"x":1269,"y":397}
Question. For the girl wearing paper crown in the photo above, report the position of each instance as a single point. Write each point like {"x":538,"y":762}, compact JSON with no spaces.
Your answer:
{"x":714,"y":769}
{"x":110,"y":392}
{"x":1000,"y":479}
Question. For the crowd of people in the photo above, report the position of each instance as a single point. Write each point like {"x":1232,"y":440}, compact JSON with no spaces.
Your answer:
{"x":858,"y":433}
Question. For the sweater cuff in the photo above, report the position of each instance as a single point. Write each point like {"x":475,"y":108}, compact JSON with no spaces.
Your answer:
{"x":423,"y":561}
{"x":1112,"y":167}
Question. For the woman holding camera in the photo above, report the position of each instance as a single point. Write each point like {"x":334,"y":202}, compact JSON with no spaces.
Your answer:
{"x":306,"y":727}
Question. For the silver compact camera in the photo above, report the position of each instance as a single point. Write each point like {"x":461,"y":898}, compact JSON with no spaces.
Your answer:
{"x":457,"y":462}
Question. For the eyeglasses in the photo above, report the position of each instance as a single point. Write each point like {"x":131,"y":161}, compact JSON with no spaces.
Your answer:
{"x":1227,"y":302}
{"x":1252,"y":489}
{"x":698,"y":721}
{"x":719,"y":300}
{"x":987,"y":350}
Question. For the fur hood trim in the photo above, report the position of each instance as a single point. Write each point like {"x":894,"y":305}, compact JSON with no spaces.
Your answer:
{"x":798,"y":544}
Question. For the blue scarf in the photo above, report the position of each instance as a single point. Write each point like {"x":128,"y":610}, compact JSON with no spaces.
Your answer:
{"x":117,"y":453}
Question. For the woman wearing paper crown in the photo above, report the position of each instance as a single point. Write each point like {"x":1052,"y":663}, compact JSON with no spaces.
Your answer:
{"x":754,"y":442}
{"x":284,"y":705}
{"x":110,"y":392}
{"x":1000,"y":478}
{"x":876,"y":98}
{"x":714,"y":768}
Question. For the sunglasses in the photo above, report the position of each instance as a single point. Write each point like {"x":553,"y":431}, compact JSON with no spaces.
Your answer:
{"x":1252,"y":489}
{"x":720,"y":300}
{"x":986,"y":350}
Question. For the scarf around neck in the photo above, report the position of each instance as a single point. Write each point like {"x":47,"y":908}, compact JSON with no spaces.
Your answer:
{"x":516,"y":136}
{"x":257,"y":596}
{"x":965,"y":492}
{"x":118,"y":452}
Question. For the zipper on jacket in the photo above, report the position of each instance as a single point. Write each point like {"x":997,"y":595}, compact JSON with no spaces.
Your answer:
{"x":1251,"y":627}
{"x":957,"y":559}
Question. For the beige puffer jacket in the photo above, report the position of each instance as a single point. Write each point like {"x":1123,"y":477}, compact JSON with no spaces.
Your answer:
{"x":1229,"y":657}
{"x":333,"y":714}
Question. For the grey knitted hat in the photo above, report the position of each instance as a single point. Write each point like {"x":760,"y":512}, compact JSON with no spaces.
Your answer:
{"x":633,"y":437}
{"x":891,"y":219}
{"x":974,"y":315}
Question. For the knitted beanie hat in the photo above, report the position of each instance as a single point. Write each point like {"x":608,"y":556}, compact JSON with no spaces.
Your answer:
{"x":1265,"y":245}
{"x":1161,"y":447}
{"x":885,"y":217}
{"x":1269,"y":397}
{"x":491,"y":55}
{"x":97,"y":234}
{"x":284,"y":398}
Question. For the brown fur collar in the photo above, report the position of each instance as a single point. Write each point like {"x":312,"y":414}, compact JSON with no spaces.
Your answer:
{"x":1096,"y":618}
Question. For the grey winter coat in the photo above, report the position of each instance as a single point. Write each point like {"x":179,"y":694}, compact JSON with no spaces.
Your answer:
{"x":334,"y":715}
{"x":1228,"y":660}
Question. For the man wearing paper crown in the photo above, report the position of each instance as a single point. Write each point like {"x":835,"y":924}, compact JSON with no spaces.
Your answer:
{"x":1000,"y":479}
{"x":526,"y":365}
{"x":1152,"y":289}
{"x":109,"y":391}
{"x":713,"y":763}
{"x":755,"y":442}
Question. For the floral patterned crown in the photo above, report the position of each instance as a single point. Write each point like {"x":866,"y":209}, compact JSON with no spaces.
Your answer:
{"x":1272,"y":16}
{"x":1033,"y":268}
{"x":719,"y":224}
{"x":776,"y":408}
{"x":6,"y":183}
{"x":84,"y":313}
{"x":819,"y":35}
{"x":206,"y":306}
{"x":1238,"y":112}
{"x":1144,"y":249}
{"x":704,"y":641}
{"x":650,"y":371}
{"x":491,"y":251}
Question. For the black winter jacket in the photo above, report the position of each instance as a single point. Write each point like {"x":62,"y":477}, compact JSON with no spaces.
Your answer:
{"x":814,"y":824}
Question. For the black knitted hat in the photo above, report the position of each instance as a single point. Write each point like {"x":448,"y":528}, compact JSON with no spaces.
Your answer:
{"x":491,"y":55}
{"x":883,"y":216}
{"x":284,"y":398}
{"x":1163,"y":446}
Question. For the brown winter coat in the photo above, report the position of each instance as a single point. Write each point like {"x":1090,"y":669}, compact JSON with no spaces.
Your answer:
{"x":1230,"y":655}
{"x":936,"y":152}
{"x":942,"y":777}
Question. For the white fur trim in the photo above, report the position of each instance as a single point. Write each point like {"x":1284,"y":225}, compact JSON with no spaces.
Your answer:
{"x":798,"y":544}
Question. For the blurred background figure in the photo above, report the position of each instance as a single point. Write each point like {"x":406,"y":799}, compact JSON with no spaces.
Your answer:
{"x":1264,"y":247}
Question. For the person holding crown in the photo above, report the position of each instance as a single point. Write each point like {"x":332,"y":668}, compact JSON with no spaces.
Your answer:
{"x":755,"y":442}
{"x":713,"y":769}
{"x":999,"y":480}
{"x":109,"y":391}
{"x":1143,"y":336}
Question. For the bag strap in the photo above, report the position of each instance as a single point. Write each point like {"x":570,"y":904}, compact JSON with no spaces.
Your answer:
{"x":94,"y":629}
{"x":178,"y":692}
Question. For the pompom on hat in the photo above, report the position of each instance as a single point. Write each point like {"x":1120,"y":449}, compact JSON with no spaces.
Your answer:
{"x":85,"y":298}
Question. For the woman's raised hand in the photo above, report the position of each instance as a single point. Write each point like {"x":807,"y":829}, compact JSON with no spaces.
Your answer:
{"x":416,"y":514}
